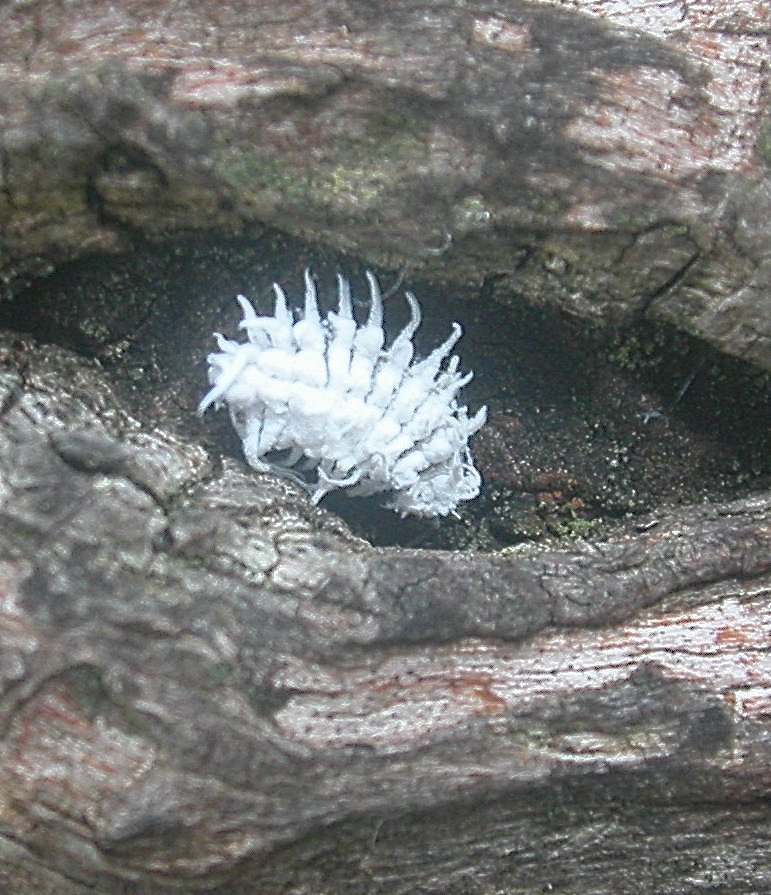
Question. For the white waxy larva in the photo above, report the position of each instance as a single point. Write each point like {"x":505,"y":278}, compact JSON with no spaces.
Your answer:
{"x":330,"y":396}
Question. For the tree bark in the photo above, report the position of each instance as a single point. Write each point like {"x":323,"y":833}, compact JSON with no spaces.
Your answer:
{"x":207,"y":684}
{"x":612,"y":160}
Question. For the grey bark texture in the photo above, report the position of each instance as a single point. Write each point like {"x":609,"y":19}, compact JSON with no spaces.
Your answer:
{"x":613,"y":160}
{"x":200,"y":674}
{"x":208,"y":685}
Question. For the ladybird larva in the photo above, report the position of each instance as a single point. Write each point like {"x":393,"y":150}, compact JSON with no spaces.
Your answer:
{"x":327,"y":395}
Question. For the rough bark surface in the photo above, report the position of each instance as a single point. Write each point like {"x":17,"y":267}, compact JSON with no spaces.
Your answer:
{"x":208,"y":685}
{"x":612,"y":158}
{"x":201,"y":675}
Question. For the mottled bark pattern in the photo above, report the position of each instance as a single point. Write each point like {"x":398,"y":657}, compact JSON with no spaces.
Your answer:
{"x":208,"y":685}
{"x":198,"y":667}
{"x":611,"y":158}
